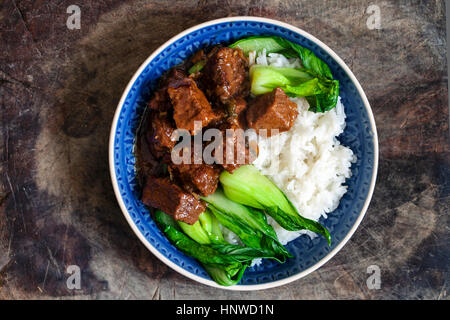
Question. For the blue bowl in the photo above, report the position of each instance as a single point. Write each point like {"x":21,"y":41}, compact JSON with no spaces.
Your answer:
{"x":360,"y":135}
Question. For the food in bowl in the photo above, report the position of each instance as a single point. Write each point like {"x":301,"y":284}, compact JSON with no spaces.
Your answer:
{"x":274,"y":167}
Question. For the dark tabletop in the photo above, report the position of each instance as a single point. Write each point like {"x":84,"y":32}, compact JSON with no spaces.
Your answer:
{"x":58,"y":92}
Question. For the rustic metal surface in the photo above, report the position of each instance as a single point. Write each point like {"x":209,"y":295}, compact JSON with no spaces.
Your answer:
{"x":60,"y":87}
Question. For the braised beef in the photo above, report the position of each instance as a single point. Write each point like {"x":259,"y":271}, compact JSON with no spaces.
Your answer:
{"x":159,"y":133}
{"x":225,"y":74}
{"x":216,"y":96}
{"x":199,"y":178}
{"x":161,"y":193}
{"x":160,"y":100}
{"x":190,"y":104}
{"x":273,"y":110}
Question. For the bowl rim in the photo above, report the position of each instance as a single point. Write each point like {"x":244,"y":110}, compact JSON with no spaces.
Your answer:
{"x":171,"y":264}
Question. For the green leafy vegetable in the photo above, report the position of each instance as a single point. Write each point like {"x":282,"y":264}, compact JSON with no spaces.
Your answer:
{"x":292,"y":75}
{"x":264,"y":79}
{"x":314,"y":81}
{"x":246,"y":185}
{"x":249,"y":224}
{"x":241,"y":253}
{"x":321,"y":93}
{"x":195,"y":232}
{"x":197,"y":67}
{"x":275,"y":44}
{"x":224,"y":262}
{"x":224,"y":269}
{"x":325,"y":102}
{"x":205,"y":231}
{"x":258,"y":43}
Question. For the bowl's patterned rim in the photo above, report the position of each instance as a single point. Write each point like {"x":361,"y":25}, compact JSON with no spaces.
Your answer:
{"x":360,"y":135}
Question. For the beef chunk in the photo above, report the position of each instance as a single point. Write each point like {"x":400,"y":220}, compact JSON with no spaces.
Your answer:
{"x":190,"y":104}
{"x":202,"y":178}
{"x":159,"y":134}
{"x":225,"y":74}
{"x":272,"y":110}
{"x":161,"y":193}
{"x":160,"y":100}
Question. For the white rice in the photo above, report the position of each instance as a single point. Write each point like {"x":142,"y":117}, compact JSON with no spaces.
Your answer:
{"x":307,"y":163}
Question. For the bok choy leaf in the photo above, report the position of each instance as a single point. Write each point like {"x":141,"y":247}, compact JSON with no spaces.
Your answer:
{"x":319,"y":87}
{"x":249,"y":224}
{"x":246,"y":185}
{"x":275,"y":44}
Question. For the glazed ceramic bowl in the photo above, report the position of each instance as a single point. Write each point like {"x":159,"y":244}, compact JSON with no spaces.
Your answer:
{"x":360,"y":135}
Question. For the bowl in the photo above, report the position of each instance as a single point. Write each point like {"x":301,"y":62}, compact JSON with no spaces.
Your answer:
{"x":360,"y":135}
